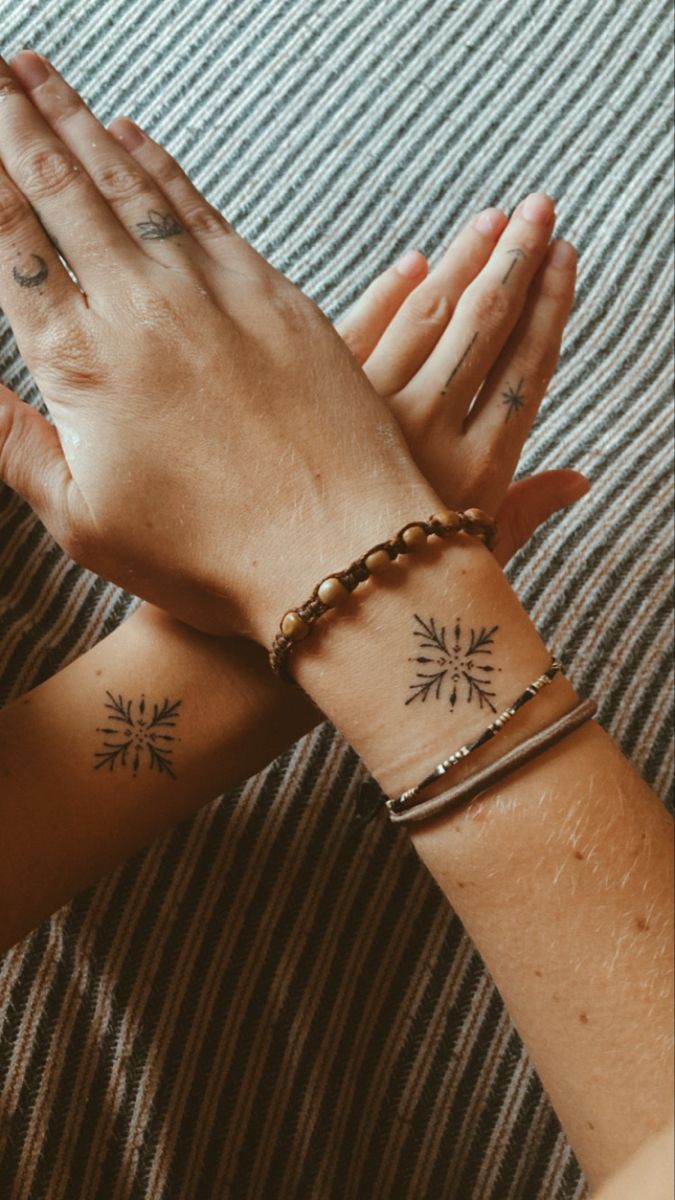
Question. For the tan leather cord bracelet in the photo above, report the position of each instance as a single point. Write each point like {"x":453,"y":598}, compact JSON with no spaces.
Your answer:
{"x":476,"y":784}
{"x":331,"y":592}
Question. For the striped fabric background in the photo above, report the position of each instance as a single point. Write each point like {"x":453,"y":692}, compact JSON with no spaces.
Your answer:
{"x":262,"y":1006}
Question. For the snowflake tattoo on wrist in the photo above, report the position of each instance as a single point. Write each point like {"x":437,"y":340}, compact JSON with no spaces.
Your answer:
{"x":139,"y":736}
{"x":455,"y":668}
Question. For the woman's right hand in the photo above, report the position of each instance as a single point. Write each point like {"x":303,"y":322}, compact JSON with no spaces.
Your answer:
{"x":218,"y":447}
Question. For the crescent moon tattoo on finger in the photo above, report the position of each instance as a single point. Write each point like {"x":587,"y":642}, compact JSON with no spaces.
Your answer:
{"x":34,"y":280}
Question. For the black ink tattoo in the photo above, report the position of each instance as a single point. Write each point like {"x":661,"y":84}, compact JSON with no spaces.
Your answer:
{"x":38,"y":276}
{"x":138,"y":736}
{"x":514,"y":399}
{"x":452,"y":376}
{"x":518,"y":254}
{"x":159,"y":226}
{"x":450,"y":664}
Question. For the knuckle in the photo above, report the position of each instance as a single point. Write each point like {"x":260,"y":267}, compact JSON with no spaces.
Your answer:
{"x":204,"y":221}
{"x":8,"y":84}
{"x":165,"y":169}
{"x":428,"y":308}
{"x":491,"y":305}
{"x":152,"y":309}
{"x":13,"y":209}
{"x":45,"y":173}
{"x":119,"y":181}
{"x":71,"y":355}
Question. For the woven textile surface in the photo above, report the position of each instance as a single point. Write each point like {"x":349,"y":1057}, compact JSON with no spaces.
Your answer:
{"x":262,"y":1006}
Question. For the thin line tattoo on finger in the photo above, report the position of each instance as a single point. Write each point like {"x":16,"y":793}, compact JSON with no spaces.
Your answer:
{"x":452,"y":376}
{"x":514,"y":399}
{"x":26,"y":280}
{"x":138,"y":737}
{"x":159,"y":226}
{"x":518,"y":256}
{"x":453,"y":664}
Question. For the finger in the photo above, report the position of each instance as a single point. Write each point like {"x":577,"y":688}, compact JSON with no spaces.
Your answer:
{"x":32,"y":462}
{"x":206,"y":225}
{"x":486,"y":314}
{"x":143,"y":217}
{"x":530,"y":502}
{"x":34,"y":284}
{"x":416,"y":329}
{"x":57,"y":187}
{"x":365,"y":323}
{"x":516,"y":385}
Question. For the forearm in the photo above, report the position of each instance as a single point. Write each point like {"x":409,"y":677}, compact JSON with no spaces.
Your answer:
{"x":72,"y":809}
{"x":561,"y":875}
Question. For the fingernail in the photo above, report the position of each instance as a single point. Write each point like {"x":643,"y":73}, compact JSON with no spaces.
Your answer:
{"x":574,"y":488}
{"x":489,"y":222}
{"x":30,"y":69}
{"x":126,"y":132}
{"x":537,"y":208}
{"x":562,"y":255}
{"x":411,"y":264}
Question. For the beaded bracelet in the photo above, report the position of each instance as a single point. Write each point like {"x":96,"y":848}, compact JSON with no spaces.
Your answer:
{"x":400,"y":803}
{"x":370,"y":798}
{"x":296,"y":624}
{"x":518,"y":756}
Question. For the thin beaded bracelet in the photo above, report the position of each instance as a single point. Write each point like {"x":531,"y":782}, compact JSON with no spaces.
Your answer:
{"x":370,"y":798}
{"x":297,"y":624}
{"x":518,"y":756}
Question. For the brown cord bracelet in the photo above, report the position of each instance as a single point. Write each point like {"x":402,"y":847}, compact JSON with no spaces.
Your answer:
{"x":297,"y":624}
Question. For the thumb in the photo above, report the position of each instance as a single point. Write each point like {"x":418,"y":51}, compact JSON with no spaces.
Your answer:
{"x":530,"y":502}
{"x":32,"y":462}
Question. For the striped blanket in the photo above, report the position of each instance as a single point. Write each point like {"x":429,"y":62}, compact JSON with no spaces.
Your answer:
{"x":261,"y":1006}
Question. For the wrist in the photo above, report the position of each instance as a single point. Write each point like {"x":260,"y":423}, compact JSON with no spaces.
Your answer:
{"x":330,"y":536}
{"x":406,"y":698}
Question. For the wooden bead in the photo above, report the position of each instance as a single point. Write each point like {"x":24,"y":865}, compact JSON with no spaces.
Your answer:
{"x":377,"y":562}
{"x":331,"y":592}
{"x":477,"y":514}
{"x":293,"y":626}
{"x":414,"y":537}
{"x":448,"y":517}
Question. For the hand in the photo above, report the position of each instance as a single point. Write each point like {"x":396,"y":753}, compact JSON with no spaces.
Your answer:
{"x":176,"y":319}
{"x":398,"y":331}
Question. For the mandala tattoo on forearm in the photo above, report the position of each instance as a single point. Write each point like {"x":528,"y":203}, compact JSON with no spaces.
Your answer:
{"x":514,"y":398}
{"x":32,"y":279}
{"x":455,"y":665}
{"x":159,"y":226}
{"x":138,"y":736}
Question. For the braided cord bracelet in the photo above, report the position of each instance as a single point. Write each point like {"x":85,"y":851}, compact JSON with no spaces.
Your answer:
{"x":296,"y":624}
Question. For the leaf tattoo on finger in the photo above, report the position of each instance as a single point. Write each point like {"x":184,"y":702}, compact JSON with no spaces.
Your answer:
{"x":159,"y":226}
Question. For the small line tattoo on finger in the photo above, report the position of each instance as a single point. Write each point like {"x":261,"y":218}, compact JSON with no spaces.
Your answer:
{"x":159,"y":226}
{"x":518,"y":255}
{"x":514,"y":398}
{"x":452,"y":376}
{"x":34,"y":279}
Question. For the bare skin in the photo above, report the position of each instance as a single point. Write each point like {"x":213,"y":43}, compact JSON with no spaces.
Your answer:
{"x":598,"y":928}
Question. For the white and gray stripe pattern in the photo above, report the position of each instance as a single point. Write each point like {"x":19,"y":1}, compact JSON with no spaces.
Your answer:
{"x":264,"y":1005}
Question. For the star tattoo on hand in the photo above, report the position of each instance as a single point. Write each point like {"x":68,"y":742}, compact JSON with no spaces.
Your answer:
{"x":514,"y":399}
